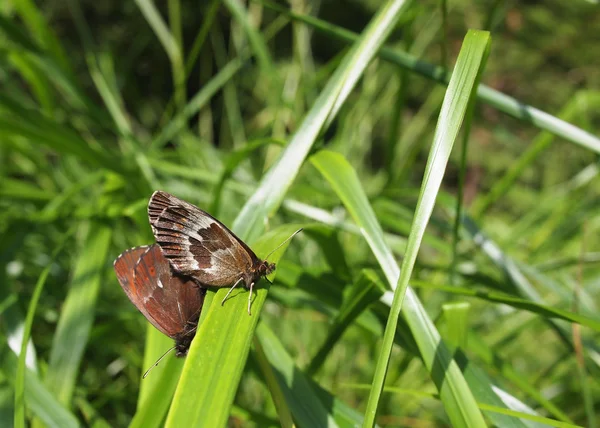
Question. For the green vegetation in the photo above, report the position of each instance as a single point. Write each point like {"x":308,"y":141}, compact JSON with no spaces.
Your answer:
{"x":448,"y":272}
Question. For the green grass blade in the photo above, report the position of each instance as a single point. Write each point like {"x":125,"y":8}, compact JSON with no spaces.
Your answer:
{"x":198,"y":101}
{"x":516,"y":302}
{"x":457,"y":398}
{"x":433,"y":351}
{"x":39,"y":399}
{"x":366,"y":290}
{"x":456,"y":318}
{"x":161,"y":30}
{"x":279,"y":178}
{"x":223,"y":354}
{"x":77,"y":313}
{"x":502,"y":102}
{"x":459,"y":405}
{"x":283,"y":411}
{"x":218,"y":354}
{"x":306,"y":403}
{"x":20,"y":378}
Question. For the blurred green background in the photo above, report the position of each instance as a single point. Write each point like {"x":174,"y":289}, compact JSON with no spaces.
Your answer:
{"x":103,"y":102}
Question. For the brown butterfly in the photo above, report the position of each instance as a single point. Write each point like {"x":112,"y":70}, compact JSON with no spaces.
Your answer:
{"x":198,"y":245}
{"x":171,"y":302}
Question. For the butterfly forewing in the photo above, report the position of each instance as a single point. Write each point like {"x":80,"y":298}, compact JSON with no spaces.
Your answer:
{"x":197,"y":244}
{"x":170,"y":302}
{"x":124,"y":266}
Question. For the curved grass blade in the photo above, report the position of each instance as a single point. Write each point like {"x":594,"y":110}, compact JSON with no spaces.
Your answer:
{"x":226,"y":332}
{"x":347,"y":185}
{"x":77,"y":313}
{"x":454,"y":391}
{"x":279,"y":178}
{"x":502,"y":102}
{"x":478,"y":380}
{"x":458,"y":399}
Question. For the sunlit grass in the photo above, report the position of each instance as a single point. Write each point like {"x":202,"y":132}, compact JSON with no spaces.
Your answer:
{"x":270,"y":133}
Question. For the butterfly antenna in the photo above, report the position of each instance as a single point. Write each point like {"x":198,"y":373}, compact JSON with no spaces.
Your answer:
{"x":157,"y":361}
{"x":280,"y":245}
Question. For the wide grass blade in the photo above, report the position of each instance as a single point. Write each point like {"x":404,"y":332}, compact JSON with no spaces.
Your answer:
{"x":207,"y":382}
{"x":77,"y":315}
{"x":225,"y":336}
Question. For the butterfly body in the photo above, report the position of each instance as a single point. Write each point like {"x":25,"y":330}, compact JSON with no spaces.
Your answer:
{"x":200,"y":246}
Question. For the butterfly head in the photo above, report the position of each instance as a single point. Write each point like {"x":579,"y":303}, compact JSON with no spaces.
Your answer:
{"x":265,"y":268}
{"x":182,"y":345}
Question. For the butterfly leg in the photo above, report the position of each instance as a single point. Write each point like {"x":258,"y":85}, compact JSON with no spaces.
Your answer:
{"x":230,"y":290}
{"x":250,"y":297}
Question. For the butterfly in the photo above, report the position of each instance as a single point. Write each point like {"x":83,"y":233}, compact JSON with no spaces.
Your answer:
{"x":171,"y":302}
{"x":200,"y":246}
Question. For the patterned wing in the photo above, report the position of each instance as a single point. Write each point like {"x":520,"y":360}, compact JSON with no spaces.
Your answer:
{"x":124,"y":267}
{"x":168,"y":301}
{"x":197,"y":244}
